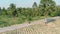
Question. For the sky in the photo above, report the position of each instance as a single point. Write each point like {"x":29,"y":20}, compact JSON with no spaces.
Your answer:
{"x":21,"y":3}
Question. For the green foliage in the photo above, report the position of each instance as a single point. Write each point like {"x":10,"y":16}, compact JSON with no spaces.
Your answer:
{"x":47,"y":6}
{"x":12,"y":9}
{"x":13,"y":15}
{"x":0,"y":11}
{"x":8,"y":21}
{"x":4,"y":11}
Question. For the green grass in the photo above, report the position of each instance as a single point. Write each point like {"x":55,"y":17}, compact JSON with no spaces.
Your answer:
{"x":8,"y":20}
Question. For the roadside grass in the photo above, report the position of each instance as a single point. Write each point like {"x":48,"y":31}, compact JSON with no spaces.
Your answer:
{"x":8,"y":20}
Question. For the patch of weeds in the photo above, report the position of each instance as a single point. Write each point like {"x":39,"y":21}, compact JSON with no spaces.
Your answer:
{"x":3,"y":24}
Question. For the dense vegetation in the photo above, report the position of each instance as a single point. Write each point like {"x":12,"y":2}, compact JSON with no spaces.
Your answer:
{"x":45,"y":8}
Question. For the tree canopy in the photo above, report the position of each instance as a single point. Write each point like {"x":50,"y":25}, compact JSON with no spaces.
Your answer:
{"x":45,"y":8}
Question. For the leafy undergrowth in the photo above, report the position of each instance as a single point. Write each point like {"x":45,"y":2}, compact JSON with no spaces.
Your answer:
{"x":8,"y":20}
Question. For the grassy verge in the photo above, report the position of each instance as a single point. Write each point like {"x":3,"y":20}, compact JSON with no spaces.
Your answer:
{"x":8,"y":20}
